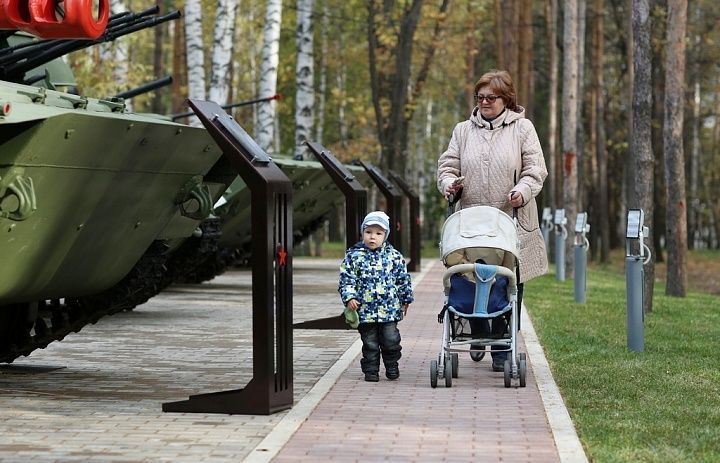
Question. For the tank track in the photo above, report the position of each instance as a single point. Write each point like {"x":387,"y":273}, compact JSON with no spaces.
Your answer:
{"x":25,"y":327}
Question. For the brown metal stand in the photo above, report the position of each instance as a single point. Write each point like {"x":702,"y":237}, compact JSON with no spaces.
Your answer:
{"x":271,"y":388}
{"x":394,"y":203}
{"x":355,"y":210}
{"x":415,"y":238}
{"x":355,"y":194}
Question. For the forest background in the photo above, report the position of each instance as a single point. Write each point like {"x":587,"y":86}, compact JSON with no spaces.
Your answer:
{"x":625,"y":94}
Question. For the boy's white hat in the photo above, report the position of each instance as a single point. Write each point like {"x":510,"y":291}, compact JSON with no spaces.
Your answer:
{"x":378,"y":218}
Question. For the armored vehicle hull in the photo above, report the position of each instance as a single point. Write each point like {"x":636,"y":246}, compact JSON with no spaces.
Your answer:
{"x":93,"y":203}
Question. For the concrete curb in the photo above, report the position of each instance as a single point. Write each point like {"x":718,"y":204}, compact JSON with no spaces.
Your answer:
{"x":566,"y":439}
{"x":266,"y":450}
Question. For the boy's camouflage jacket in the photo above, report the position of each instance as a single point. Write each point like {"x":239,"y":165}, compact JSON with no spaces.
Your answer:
{"x":378,"y":280}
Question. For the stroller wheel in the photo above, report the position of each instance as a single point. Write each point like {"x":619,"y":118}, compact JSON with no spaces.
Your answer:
{"x":433,"y":373}
{"x":455,"y":362}
{"x":448,"y":372}
{"x":477,"y":353}
{"x":522,"y":370}
{"x":507,"y":372}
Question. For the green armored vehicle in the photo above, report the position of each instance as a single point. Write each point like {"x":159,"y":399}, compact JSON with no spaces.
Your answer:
{"x":314,"y":197}
{"x":94,"y":204}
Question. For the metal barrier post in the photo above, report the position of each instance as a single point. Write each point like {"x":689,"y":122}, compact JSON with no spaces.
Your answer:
{"x":271,"y":388}
{"x":355,"y":210}
{"x":581,"y":249}
{"x":351,"y":188}
{"x":635,"y":277}
{"x":394,"y":203}
{"x":415,"y":238}
{"x":560,"y":236}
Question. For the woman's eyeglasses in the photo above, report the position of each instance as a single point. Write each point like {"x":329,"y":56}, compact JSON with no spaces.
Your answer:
{"x":489,"y":98}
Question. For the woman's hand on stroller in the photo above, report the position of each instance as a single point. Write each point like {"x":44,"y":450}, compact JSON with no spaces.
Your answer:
{"x":353,"y":304}
{"x":515,"y":198}
{"x":454,"y":187}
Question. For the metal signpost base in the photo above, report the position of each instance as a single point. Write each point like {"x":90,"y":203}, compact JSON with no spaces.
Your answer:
{"x":271,"y":388}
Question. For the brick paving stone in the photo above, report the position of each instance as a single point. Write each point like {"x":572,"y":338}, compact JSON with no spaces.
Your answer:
{"x":407,"y":421}
{"x":96,"y":396}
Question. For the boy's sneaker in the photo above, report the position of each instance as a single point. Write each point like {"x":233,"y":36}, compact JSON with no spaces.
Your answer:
{"x":392,"y":373}
{"x":372,"y":377}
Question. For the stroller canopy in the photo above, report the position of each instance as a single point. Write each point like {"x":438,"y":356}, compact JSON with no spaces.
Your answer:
{"x":480,"y":232}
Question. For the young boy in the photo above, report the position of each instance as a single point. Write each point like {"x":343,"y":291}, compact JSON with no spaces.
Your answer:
{"x":374,"y":282}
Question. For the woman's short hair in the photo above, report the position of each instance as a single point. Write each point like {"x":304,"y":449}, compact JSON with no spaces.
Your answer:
{"x":501,"y":84}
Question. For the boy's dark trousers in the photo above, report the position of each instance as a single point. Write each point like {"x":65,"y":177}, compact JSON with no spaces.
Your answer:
{"x":377,"y":339}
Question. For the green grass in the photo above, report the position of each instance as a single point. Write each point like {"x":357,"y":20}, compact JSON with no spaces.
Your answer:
{"x":661,"y":405}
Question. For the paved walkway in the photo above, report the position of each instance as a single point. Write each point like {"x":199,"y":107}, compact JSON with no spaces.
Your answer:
{"x":96,"y":396}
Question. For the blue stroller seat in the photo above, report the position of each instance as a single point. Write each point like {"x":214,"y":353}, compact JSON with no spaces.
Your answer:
{"x":487,"y":298}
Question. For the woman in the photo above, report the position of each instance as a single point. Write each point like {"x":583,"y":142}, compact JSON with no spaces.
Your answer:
{"x":498,"y":153}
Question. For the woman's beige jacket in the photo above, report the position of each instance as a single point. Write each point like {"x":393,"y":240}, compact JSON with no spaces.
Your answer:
{"x":497,"y":158}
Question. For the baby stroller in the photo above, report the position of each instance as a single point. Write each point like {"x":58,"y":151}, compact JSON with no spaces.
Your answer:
{"x":480,"y":249}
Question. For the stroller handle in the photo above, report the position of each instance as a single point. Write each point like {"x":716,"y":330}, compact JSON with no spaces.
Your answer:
{"x":464,"y":268}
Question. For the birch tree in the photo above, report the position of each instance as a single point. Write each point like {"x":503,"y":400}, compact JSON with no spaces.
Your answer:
{"x":676,"y":222}
{"x":265,"y":129}
{"x":641,"y":134}
{"x":551,"y":8}
{"x":195,"y":54}
{"x":322,"y":80}
{"x":304,"y":77}
{"x":222,"y":49}
{"x":570,"y":122}
{"x":117,"y":53}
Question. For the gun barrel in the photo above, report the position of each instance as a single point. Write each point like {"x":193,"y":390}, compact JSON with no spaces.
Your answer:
{"x":277,"y":96}
{"x":148,"y":87}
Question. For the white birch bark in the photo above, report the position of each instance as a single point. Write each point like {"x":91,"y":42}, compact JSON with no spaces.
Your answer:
{"x":222,"y":50}
{"x":265,"y":129}
{"x":322,"y":84}
{"x":117,"y":53}
{"x":195,"y":53}
{"x":304,"y":76}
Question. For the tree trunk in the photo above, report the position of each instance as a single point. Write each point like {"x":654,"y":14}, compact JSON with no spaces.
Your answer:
{"x":602,"y":185}
{"x":570,"y":124}
{"x":390,"y":73}
{"x":304,"y":77}
{"x":642,"y":135}
{"x":510,"y":37}
{"x":117,"y":53}
{"x":525,"y":56}
{"x":551,"y":14}
{"x":223,"y":40}
{"x":265,"y":129}
{"x":195,"y":54}
{"x":581,"y":10}
{"x":676,"y":227}
{"x":628,"y":188}
{"x":694,"y":200}
{"x":322,"y":84}
{"x":179,"y":84}
{"x":158,"y":67}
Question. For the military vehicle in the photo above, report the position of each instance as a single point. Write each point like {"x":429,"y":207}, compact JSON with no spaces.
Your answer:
{"x":94,"y":201}
{"x":314,"y":197}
